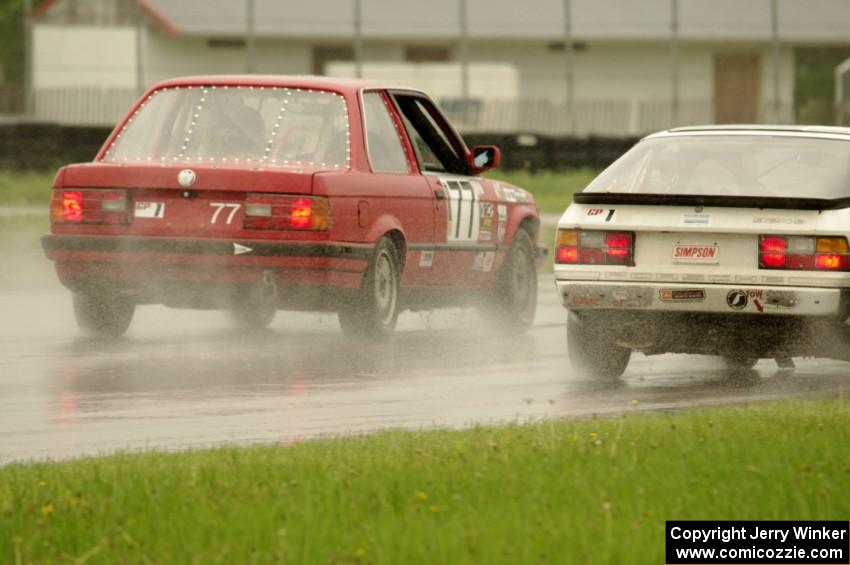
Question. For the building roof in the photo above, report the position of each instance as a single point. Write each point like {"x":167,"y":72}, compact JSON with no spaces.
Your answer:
{"x":812,"y":21}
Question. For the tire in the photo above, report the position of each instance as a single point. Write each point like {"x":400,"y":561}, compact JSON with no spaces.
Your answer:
{"x":593,"y":350}
{"x":374,"y":311}
{"x":737,"y":362}
{"x":512,"y":312}
{"x":103,"y":316}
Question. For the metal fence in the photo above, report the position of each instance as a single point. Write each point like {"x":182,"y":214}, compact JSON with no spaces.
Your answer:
{"x":626,"y":117}
{"x":82,"y":106}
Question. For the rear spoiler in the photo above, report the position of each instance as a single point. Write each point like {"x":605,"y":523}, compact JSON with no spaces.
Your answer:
{"x":709,"y":200}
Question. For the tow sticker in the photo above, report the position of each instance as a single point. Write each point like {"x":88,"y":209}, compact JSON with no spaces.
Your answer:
{"x":738,"y":299}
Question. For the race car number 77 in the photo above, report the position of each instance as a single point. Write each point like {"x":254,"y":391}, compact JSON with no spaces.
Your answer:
{"x":219,"y":206}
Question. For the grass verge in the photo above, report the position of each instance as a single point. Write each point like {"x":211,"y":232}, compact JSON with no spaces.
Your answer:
{"x":588,"y":491}
{"x":552,"y":190}
{"x":25,"y":188}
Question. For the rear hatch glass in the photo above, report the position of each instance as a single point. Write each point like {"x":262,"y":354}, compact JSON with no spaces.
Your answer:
{"x":234,"y":126}
{"x":730,"y":166}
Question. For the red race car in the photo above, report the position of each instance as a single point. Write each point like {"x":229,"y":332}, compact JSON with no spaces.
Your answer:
{"x":253,"y":194}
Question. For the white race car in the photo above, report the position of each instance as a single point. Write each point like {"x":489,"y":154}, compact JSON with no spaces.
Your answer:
{"x":725,"y":240}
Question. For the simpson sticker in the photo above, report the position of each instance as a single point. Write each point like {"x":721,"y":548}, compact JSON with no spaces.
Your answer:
{"x":426,"y":259}
{"x":487,"y":209}
{"x":149,"y":210}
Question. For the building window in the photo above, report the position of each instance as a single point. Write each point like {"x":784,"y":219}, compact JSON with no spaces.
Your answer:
{"x":226,"y":42}
{"x":324,"y":54}
{"x":420,"y":54}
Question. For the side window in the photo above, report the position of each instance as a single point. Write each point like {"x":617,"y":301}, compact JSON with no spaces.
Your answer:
{"x":386,"y":154}
{"x":434,"y":147}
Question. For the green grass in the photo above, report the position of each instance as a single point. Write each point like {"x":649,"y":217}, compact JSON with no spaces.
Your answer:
{"x":25,"y":188}
{"x":588,"y":491}
{"x":553,"y":191}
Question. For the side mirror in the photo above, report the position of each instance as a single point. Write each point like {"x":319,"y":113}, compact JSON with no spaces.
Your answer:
{"x":484,"y":157}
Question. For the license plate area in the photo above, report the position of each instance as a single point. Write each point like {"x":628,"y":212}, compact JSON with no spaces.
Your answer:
{"x":696,"y":253}
{"x":173,"y":213}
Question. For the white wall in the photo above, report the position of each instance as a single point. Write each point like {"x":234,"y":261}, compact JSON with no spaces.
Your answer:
{"x":83,"y":56}
{"x":168,"y":56}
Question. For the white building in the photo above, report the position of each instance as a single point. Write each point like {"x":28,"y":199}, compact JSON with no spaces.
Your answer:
{"x":92,"y":57}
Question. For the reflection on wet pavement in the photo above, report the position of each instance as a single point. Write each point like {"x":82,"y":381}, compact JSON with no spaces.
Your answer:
{"x":182,"y":379}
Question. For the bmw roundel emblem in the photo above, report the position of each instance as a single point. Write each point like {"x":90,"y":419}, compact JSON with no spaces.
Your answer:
{"x":186,"y":177}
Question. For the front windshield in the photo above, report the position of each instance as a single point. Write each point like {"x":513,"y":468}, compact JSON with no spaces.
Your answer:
{"x":772,"y":166}
{"x":236,"y":125}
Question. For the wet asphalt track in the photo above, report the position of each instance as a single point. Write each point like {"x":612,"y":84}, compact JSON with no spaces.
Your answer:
{"x":181,"y":379}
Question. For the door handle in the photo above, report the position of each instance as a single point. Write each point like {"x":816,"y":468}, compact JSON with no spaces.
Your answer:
{"x":440,"y":193}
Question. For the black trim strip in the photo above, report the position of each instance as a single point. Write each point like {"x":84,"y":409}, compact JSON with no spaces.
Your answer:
{"x":203,"y":247}
{"x":451,"y":247}
{"x":709,"y":200}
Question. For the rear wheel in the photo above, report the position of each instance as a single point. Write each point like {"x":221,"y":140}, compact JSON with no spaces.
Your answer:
{"x":515,"y":302}
{"x":103,"y":315}
{"x":593,"y":349}
{"x":374,"y":311}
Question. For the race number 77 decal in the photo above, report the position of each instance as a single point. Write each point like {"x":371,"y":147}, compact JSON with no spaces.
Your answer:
{"x":462,"y":209}
{"x":219,"y":206}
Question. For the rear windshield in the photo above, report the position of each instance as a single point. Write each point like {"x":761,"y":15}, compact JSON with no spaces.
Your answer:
{"x":236,"y":125}
{"x":731,"y":165}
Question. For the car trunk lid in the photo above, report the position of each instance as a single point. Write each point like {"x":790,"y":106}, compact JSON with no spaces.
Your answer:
{"x":209,"y":202}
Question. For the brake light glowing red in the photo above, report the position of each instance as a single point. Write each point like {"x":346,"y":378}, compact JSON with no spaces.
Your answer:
{"x":72,"y":206}
{"x":89,"y":206}
{"x":301,"y":213}
{"x":284,"y":212}
{"x":592,"y":247}
{"x":567,"y":255}
{"x":829,"y":262}
{"x":773,"y":244}
{"x":804,"y":253}
{"x":618,"y":239}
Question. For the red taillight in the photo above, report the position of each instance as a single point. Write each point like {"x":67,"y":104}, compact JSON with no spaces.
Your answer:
{"x":301,"y":213}
{"x":567,"y":255}
{"x":804,"y":253}
{"x":589,"y":247}
{"x":270,"y":211}
{"x":89,"y":206}
{"x":72,"y":206}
